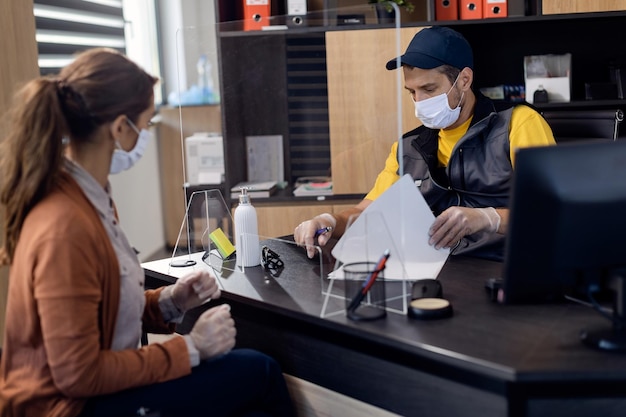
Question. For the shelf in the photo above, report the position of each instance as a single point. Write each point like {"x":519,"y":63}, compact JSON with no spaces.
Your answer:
{"x":578,"y":104}
{"x":300,"y":30}
{"x":286,"y":196}
{"x":281,"y":196}
{"x":524,"y":19}
{"x":587,"y":104}
{"x":234,"y":29}
{"x":500,"y":45}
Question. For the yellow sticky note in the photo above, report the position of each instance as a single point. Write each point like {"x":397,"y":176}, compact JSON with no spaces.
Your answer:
{"x":224,"y":247}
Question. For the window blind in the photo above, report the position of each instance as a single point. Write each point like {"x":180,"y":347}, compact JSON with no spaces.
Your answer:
{"x":65,"y":27}
{"x":307,"y":104}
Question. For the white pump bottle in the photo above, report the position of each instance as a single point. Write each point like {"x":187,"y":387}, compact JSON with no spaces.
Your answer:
{"x":246,"y":232}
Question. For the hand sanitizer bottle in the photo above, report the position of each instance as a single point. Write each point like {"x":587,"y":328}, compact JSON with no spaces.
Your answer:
{"x":246,"y":232}
{"x":205,"y":79}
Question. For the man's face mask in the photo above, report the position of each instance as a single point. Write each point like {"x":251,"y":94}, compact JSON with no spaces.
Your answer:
{"x":435,"y":112}
{"x":123,"y":160}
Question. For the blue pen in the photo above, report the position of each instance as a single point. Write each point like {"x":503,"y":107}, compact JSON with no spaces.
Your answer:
{"x":323,"y":230}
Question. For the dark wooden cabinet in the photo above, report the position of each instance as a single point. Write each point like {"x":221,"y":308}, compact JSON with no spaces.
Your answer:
{"x":593,"y":39}
{"x":264,"y":91}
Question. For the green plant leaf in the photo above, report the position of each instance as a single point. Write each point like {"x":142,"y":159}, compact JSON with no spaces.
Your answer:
{"x":409,"y":6}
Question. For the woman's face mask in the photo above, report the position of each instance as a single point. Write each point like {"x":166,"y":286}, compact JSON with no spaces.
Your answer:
{"x":123,"y":160}
{"x":435,"y":112}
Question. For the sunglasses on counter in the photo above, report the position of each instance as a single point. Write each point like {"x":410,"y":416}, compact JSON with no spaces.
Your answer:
{"x":271,"y":260}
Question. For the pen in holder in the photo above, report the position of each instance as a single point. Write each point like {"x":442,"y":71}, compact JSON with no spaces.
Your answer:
{"x":365,"y":290}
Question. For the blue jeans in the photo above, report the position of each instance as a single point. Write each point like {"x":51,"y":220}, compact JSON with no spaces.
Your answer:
{"x":242,"y":383}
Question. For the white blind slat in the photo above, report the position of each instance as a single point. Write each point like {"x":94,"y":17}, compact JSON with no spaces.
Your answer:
{"x":66,"y":15}
{"x":76,"y":25}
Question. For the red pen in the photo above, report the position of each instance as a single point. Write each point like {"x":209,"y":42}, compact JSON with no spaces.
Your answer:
{"x":369,"y":282}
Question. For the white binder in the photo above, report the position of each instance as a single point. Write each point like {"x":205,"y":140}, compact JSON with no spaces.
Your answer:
{"x":296,"y":12}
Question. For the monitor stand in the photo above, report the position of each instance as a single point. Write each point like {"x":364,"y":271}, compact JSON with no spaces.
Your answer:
{"x":611,"y":339}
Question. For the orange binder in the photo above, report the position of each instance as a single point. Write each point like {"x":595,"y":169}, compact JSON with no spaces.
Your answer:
{"x":495,"y":8}
{"x":256,"y":14}
{"x":446,"y":10}
{"x":471,"y":9}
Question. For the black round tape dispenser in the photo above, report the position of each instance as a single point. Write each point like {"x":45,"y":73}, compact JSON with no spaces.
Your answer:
{"x":427,"y":301}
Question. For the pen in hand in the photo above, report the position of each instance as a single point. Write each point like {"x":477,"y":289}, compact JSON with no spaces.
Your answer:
{"x":358,"y":297}
{"x":323,"y":230}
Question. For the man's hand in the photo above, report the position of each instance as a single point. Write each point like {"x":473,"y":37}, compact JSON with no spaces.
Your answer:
{"x":457,"y":222}
{"x":321,"y":226}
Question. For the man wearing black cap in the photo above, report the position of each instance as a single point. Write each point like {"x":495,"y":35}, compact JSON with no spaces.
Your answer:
{"x":461,"y":157}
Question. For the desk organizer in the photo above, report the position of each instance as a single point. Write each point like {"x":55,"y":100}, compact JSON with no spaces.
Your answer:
{"x":397,"y":292}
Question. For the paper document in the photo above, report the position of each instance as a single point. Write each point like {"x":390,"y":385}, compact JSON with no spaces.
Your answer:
{"x":398,"y":220}
{"x":204,"y":158}
{"x":265,"y":158}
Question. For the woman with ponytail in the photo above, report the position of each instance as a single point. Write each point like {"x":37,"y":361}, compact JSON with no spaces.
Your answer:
{"x":76,"y":305}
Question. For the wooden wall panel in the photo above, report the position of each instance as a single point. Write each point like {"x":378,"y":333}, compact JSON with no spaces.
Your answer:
{"x":17,"y":46}
{"x":19,"y":63}
{"x":582,"y":6}
{"x":280,"y":220}
{"x":362,"y":101}
{"x":194,"y":119}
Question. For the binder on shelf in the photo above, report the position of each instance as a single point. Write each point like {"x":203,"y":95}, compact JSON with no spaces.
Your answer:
{"x":446,"y":10}
{"x":296,"y":12}
{"x":518,"y":8}
{"x":495,"y":8}
{"x":471,"y":9}
{"x":256,"y":14}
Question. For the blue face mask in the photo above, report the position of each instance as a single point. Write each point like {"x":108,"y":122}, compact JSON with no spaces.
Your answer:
{"x":123,"y":160}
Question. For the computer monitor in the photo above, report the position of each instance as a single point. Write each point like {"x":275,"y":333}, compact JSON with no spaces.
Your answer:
{"x":567,"y":229}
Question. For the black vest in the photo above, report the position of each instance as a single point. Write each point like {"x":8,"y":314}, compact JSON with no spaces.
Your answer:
{"x":479,"y":172}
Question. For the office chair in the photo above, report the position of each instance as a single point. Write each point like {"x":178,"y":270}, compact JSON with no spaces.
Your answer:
{"x":571,"y":125}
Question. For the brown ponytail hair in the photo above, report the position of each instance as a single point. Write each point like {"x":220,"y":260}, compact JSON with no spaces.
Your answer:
{"x":99,"y":85}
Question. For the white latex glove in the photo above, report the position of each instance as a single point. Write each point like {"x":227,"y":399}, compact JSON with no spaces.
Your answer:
{"x":194,"y":289}
{"x":214,"y":332}
{"x":306,"y":232}
{"x":457,"y":222}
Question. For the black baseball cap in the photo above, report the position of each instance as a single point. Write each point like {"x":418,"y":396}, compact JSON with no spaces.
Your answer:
{"x":435,"y":46}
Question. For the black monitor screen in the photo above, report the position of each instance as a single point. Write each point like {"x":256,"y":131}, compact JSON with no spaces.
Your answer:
{"x":567,"y":225}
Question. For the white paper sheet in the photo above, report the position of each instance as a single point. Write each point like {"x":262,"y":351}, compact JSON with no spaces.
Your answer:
{"x":399,"y":221}
{"x":265,"y":158}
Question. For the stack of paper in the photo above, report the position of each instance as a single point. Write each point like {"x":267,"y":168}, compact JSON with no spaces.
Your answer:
{"x":314,"y":189}
{"x":256,"y":189}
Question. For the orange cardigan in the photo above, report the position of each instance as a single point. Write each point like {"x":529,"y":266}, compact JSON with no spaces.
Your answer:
{"x":61,"y":312}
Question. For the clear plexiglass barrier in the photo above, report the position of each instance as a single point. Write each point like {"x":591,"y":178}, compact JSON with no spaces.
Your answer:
{"x":360,"y":116}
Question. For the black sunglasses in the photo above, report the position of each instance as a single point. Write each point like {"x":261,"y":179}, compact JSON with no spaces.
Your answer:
{"x":271,"y":260}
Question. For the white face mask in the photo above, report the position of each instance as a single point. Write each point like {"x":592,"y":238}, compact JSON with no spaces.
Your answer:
{"x":123,"y":160}
{"x":435,"y":112}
